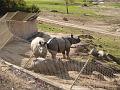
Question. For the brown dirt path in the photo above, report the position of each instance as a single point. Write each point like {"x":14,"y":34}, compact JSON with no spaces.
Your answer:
{"x":92,"y":28}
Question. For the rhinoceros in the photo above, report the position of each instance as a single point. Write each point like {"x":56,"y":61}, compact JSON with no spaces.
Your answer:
{"x":61,"y":45}
{"x":39,"y":47}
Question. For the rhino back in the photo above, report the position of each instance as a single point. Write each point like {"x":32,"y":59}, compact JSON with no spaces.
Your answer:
{"x":58,"y":45}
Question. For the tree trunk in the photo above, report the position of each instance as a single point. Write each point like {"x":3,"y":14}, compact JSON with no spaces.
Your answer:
{"x":66,"y":4}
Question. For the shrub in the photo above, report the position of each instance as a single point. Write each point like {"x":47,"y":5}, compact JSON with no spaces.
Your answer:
{"x":32,"y":8}
{"x":16,"y":5}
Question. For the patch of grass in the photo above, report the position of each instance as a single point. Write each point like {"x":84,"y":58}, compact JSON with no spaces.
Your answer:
{"x":48,"y":2}
{"x":58,"y":5}
{"x":75,"y":10}
{"x":109,"y":43}
{"x":56,"y":29}
{"x":116,"y":5}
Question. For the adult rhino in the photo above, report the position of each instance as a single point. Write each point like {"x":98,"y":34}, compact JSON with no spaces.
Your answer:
{"x":61,"y":45}
{"x":39,"y":47}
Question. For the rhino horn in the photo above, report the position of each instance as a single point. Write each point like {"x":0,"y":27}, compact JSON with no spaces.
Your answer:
{"x":71,"y":35}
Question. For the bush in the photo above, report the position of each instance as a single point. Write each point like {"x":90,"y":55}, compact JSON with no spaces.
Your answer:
{"x":2,"y":6}
{"x":32,"y":8}
{"x":16,"y":5}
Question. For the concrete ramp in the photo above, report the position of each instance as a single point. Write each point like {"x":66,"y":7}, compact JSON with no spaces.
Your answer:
{"x":5,"y":34}
{"x":22,"y":29}
{"x":17,"y":24}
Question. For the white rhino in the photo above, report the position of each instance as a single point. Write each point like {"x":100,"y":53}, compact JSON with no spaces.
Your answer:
{"x":39,"y":47}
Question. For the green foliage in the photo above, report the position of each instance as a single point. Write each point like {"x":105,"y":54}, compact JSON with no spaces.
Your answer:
{"x":16,"y":5}
{"x":59,"y":5}
{"x":31,"y":8}
{"x":116,"y":5}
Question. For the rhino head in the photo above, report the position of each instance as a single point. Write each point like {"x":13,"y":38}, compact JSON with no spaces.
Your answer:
{"x":74,"y":40}
{"x":42,"y":44}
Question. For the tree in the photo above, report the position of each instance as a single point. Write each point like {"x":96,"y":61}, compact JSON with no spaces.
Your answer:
{"x":66,"y":4}
{"x":10,"y":5}
{"x":16,"y":5}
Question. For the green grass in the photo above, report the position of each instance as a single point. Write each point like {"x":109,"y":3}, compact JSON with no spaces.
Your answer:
{"x":116,"y":5}
{"x":58,"y":5}
{"x":107,"y":42}
{"x":75,"y":10}
{"x":48,"y":2}
{"x":56,"y":29}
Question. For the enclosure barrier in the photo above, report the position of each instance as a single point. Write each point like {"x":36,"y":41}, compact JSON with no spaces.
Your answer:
{"x":41,"y":82}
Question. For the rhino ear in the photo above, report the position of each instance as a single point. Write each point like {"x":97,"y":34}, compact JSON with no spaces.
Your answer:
{"x":71,"y":35}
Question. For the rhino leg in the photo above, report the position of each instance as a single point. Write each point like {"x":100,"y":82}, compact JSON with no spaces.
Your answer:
{"x":54,"y":55}
{"x":67,"y":53}
{"x":63,"y":53}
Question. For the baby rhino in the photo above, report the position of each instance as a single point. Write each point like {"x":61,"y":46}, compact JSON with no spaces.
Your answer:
{"x":61,"y":45}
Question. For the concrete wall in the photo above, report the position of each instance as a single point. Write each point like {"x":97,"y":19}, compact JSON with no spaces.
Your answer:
{"x":5,"y":34}
{"x":23,"y":29}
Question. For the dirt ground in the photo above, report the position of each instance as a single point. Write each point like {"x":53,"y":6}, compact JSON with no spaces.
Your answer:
{"x":9,"y":81}
{"x":93,"y":81}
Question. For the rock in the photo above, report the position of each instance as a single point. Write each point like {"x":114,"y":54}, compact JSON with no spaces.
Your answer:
{"x":98,"y":75}
{"x":100,"y":46}
{"x":53,"y":11}
{"x":86,"y":14}
{"x":65,"y":19}
{"x":94,"y":52}
{"x":39,"y":34}
{"x":101,"y":53}
{"x":112,"y":58}
{"x":118,"y":30}
{"x":84,"y":5}
{"x":81,"y":48}
{"x":86,"y":36}
{"x":44,"y":35}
